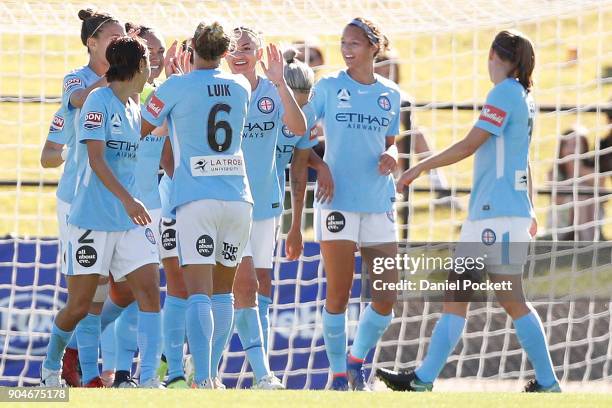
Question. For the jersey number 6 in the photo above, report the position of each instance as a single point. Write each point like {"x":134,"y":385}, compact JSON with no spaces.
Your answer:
{"x":214,"y":126}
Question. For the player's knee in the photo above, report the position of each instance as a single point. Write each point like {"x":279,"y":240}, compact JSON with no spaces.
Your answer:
{"x":121,"y":294}
{"x":76,"y":311}
{"x":515,"y":308}
{"x":456,"y":308}
{"x":383,"y":307}
{"x":148,"y":298}
{"x":245,"y":289}
{"x":337,"y":303}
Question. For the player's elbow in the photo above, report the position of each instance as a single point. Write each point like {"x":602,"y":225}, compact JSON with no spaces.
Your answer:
{"x":46,"y":162}
{"x":297,"y":126}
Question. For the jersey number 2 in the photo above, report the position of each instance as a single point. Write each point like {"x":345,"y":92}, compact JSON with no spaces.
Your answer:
{"x":214,"y":126}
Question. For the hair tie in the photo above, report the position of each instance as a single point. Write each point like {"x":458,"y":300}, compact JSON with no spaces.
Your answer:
{"x":507,"y":51}
{"x":369,"y":33}
{"x":98,"y":27}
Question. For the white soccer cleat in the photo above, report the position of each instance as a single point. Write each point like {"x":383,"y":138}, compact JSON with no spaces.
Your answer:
{"x":152,"y":383}
{"x":189,"y":369}
{"x":51,"y":379}
{"x":217,"y":384}
{"x":269,"y":382}
{"x":207,"y":384}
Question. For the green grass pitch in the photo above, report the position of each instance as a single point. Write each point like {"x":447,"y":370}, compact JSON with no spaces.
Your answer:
{"x":292,"y":399}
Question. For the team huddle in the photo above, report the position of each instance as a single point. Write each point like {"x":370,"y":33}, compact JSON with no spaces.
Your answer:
{"x":223,"y":140}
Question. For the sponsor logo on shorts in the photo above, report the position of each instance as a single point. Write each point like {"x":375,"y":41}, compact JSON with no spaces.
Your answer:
{"x":57,"y":124}
{"x":384,"y":103}
{"x":390,"y":216}
{"x":488,"y":236}
{"x":149,"y":235}
{"x":265,"y":105}
{"x":93,"y":120}
{"x":168,"y":236}
{"x":229,"y":252}
{"x":335,"y":222}
{"x":71,"y":83}
{"x":205,"y":245}
{"x":155,"y":106}
{"x":168,"y":239}
{"x":493,"y":115}
{"x":86,"y":256}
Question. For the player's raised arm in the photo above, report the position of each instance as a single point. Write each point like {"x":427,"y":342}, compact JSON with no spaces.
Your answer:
{"x":293,"y":117}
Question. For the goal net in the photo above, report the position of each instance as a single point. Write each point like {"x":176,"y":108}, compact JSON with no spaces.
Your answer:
{"x":439,"y":56}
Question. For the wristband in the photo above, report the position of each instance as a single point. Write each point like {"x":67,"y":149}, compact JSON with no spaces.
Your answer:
{"x":64,"y":154}
{"x":392,"y":151}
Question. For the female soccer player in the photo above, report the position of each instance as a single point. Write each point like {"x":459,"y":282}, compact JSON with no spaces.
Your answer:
{"x":97,"y":30}
{"x":102,"y":234}
{"x":501,"y":209}
{"x":118,"y":339}
{"x":206,"y":110}
{"x":290,"y":147}
{"x":53,"y":155}
{"x":360,"y":115}
{"x":272,"y":107}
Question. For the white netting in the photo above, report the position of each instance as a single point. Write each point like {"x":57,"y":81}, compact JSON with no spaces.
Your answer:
{"x":442,"y":47}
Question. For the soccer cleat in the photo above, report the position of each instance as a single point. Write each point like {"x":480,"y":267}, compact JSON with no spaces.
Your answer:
{"x":534,"y":386}
{"x":340,"y":383}
{"x":108,"y":378}
{"x":218,"y":384}
{"x":403,"y":380}
{"x":162,"y":370}
{"x":204,"y":385}
{"x":269,"y":382}
{"x":356,"y":374}
{"x":50,"y":379}
{"x":70,"y":368}
{"x":95,"y":382}
{"x":123,"y":379}
{"x":177,"y":383}
{"x":153,"y":383}
{"x":189,"y":369}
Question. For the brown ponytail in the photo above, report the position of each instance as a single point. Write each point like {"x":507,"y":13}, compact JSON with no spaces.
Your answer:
{"x":515,"y":47}
{"x":211,"y":41}
{"x":93,"y":23}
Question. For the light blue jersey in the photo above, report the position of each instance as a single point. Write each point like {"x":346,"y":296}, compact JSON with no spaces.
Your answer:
{"x":285,"y":145}
{"x":259,"y":146}
{"x":147,"y":165}
{"x":356,"y":118}
{"x":80,"y":78}
{"x":500,"y":167}
{"x":206,"y":110}
{"x":56,"y":129}
{"x":104,"y":117}
{"x":147,"y":170}
{"x":165,"y":187}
